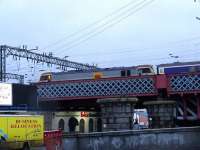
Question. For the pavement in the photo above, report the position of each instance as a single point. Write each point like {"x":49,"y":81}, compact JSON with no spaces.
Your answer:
{"x":38,"y":148}
{"x":42,"y":148}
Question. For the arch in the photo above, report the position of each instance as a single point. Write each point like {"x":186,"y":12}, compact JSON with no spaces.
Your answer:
{"x":99,"y":125}
{"x":61,"y":124}
{"x":73,"y":122}
{"x":91,"y":123}
{"x":82,"y":126}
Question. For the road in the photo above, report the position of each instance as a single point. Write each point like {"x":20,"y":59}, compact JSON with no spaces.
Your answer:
{"x":42,"y":148}
{"x":39,"y":148}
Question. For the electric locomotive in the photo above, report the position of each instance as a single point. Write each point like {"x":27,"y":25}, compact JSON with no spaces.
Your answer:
{"x":98,"y":73}
{"x":169,"y":68}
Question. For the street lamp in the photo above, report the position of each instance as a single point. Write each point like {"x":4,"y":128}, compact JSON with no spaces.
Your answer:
{"x":65,"y":57}
{"x":42,"y":70}
{"x":174,"y":56}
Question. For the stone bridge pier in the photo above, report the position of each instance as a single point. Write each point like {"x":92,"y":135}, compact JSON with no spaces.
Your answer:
{"x":117,"y":113}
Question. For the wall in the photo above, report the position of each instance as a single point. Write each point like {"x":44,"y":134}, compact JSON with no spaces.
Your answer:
{"x":154,"y":139}
{"x":117,"y":113}
{"x":24,"y":98}
{"x":25,"y":95}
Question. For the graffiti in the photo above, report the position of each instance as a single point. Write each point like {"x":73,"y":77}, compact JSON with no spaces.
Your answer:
{"x":96,"y":144}
{"x":132,"y":142}
{"x":3,"y":136}
{"x":117,"y":143}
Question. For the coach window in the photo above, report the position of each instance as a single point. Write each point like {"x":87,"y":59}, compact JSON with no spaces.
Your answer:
{"x":192,"y":69}
{"x":91,"y":125}
{"x":123,"y":73}
{"x":82,"y":125}
{"x":128,"y":72}
{"x":146,"y":70}
{"x":61,"y":124}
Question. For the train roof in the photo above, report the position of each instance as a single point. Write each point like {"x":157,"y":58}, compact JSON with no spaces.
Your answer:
{"x":179,"y":64}
{"x":98,"y":70}
{"x":94,"y":70}
{"x":143,"y":66}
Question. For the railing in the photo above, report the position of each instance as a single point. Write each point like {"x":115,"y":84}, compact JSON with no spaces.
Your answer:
{"x":183,"y":83}
{"x":99,"y":88}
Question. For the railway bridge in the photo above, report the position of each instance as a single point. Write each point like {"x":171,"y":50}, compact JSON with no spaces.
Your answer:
{"x":182,"y":88}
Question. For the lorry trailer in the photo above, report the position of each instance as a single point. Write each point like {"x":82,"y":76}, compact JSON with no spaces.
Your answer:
{"x":21,"y":131}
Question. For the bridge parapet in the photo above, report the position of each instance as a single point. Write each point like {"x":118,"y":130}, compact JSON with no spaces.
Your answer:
{"x":99,"y":88}
{"x":184,"y":83}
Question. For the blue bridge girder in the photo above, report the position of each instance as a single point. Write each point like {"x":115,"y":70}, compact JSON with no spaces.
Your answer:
{"x":184,"y":83}
{"x":116,"y":87}
{"x":99,"y":88}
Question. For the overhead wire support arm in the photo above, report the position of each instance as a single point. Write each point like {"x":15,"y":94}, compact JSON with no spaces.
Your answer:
{"x":2,"y":63}
{"x":20,"y":78}
{"x":49,"y":59}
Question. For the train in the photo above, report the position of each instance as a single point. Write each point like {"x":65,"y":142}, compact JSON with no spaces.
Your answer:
{"x":98,"y":73}
{"x":178,"y":67}
{"x":169,"y":68}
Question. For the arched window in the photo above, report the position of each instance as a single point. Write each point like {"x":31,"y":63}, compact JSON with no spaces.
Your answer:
{"x":82,"y":126}
{"x":99,"y":125}
{"x":73,"y":122}
{"x":61,"y":124}
{"x":91,"y":125}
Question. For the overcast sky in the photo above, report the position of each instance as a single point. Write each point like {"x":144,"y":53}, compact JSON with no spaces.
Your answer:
{"x":104,"y":32}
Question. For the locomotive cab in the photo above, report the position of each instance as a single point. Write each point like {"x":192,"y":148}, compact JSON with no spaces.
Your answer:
{"x":145,"y":70}
{"x":45,"y":77}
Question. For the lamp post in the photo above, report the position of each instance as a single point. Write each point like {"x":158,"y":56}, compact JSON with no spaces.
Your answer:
{"x":65,"y":57}
{"x":174,"y":56}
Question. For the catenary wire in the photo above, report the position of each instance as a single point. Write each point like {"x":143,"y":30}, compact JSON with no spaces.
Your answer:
{"x":106,"y":26}
{"x":90,"y":25}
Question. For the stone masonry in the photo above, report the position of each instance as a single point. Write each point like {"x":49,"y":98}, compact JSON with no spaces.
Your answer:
{"x":117,"y":113}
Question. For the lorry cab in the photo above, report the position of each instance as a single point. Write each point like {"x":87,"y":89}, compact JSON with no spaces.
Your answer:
{"x":140,"y":119}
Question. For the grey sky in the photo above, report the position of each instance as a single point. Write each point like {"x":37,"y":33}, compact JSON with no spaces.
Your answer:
{"x":146,"y":37}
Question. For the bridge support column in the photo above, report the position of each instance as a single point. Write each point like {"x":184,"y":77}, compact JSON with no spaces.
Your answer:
{"x":184,"y":108}
{"x":117,"y":113}
{"x":198,"y":107}
{"x":2,"y":63}
{"x":162,"y":113}
{"x":48,"y":119}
